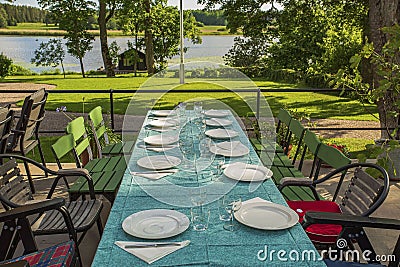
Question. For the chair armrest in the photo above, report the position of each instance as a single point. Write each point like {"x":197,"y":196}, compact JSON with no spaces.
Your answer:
{"x":22,"y":263}
{"x":30,"y":209}
{"x":295,"y":181}
{"x":73,"y":172}
{"x":350,"y":220}
{"x":17,"y":131}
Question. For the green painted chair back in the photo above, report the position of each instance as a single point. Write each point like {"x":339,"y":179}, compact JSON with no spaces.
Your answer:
{"x":282,"y":129}
{"x":297,"y":129}
{"x":65,"y":145}
{"x":78,"y":130}
{"x":332,"y":156}
{"x":98,"y":127}
{"x":311,"y":143}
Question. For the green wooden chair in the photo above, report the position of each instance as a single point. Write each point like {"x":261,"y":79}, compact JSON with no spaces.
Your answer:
{"x":100,"y":136}
{"x":311,"y":144}
{"x":282,"y":129}
{"x":106,"y":173}
{"x":109,"y":171}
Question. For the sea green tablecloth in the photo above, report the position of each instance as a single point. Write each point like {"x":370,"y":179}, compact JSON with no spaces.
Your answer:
{"x":215,"y":246}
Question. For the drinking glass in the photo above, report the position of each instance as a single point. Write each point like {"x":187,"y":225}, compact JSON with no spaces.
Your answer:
{"x":200,"y":217}
{"x":198,"y":107}
{"x":198,"y":196}
{"x":233,"y":203}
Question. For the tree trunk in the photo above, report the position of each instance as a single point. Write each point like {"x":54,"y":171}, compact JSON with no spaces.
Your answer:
{"x":148,"y":35}
{"x":82,"y":69}
{"x":62,"y":66}
{"x":383,"y":13}
{"x":136,"y":55}
{"x":107,"y":61}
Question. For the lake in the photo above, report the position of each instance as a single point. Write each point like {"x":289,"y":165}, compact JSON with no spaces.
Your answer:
{"x":21,"y":50}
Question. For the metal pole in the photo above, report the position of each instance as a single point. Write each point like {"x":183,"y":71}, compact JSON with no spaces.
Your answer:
{"x":112,"y":108}
{"x":258,"y":103}
{"x":181,"y":65}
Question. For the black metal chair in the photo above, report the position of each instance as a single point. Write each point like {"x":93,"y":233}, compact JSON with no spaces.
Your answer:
{"x":16,"y":226}
{"x":353,"y":231}
{"x":6,"y":117}
{"x":15,"y":192}
{"x":25,"y":135}
{"x":361,"y":195}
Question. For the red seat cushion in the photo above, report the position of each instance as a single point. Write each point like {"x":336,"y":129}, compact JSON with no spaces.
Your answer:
{"x":318,"y":233}
{"x":61,"y":255}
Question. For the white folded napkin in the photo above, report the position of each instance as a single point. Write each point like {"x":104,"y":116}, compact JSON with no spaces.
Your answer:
{"x":154,"y":175}
{"x":150,"y":254}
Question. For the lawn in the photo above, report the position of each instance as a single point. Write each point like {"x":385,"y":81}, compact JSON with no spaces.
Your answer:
{"x":316,"y":105}
{"x":51,"y":30}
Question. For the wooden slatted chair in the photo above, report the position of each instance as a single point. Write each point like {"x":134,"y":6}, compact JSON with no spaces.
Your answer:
{"x":15,"y":192}
{"x":25,"y":136}
{"x":106,"y":172}
{"x":17,"y":227}
{"x":282,"y":130}
{"x":362,"y":196}
{"x":100,"y":135}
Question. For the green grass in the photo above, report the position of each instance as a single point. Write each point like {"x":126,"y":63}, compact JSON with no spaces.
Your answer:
{"x":38,"y":29}
{"x":317,"y":105}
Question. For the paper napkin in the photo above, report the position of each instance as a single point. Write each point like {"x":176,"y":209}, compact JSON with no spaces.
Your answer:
{"x":150,"y":254}
{"x":154,"y":175}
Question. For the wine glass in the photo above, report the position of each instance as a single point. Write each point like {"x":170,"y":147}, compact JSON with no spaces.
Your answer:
{"x":232,"y":204}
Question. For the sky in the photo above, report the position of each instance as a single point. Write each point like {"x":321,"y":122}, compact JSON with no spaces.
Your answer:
{"x":187,"y":4}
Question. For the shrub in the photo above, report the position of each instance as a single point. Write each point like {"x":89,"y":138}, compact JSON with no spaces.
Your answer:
{"x":18,"y":70}
{"x":5,"y":66}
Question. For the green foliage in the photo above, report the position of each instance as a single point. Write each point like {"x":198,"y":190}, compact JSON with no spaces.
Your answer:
{"x":50,"y":54}
{"x":73,"y":17}
{"x":21,"y":13}
{"x":210,"y":17}
{"x":114,"y":52}
{"x":5,"y":66}
{"x":246,"y":52}
{"x":18,"y":70}
{"x":3,"y":17}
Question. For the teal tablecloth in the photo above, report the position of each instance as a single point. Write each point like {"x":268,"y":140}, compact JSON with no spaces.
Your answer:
{"x":215,"y":246}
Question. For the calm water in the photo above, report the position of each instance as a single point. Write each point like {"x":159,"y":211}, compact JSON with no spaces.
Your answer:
{"x":21,"y":50}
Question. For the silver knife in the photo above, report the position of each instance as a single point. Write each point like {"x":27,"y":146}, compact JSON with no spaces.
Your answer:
{"x":151,"y":245}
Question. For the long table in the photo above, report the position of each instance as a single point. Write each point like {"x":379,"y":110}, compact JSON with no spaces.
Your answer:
{"x":215,"y":246}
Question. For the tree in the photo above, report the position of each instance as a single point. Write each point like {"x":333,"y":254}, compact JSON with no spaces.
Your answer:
{"x":50,"y":54}
{"x":5,"y":66}
{"x":73,"y":16}
{"x":161,"y":26}
{"x":3,"y":17}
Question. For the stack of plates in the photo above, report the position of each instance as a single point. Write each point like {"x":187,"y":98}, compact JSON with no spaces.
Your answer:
{"x":163,"y":123}
{"x":214,"y":113}
{"x":230,"y":149}
{"x":216,"y":122}
{"x":156,"y":223}
{"x":266,"y":215}
{"x":161,"y":140}
{"x":247,"y":172}
{"x":159,"y":162}
{"x":161,"y":113}
{"x":221,"y":133}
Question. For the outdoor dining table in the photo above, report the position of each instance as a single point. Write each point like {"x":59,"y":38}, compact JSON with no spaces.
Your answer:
{"x":215,"y":246}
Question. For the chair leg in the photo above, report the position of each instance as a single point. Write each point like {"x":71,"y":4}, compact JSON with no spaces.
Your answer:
{"x":99,"y":226}
{"x":42,"y":157}
{"x":29,"y":175}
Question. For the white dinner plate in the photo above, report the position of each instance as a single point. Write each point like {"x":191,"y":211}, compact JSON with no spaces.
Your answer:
{"x":247,"y":172}
{"x":266,"y":216}
{"x":221,"y":133}
{"x":158,"y":162}
{"x":163,"y":123}
{"x":160,"y":139}
{"x":230,"y":149}
{"x":156,"y":223}
{"x":218,"y":122}
{"x":161,"y":113}
{"x":215,"y":113}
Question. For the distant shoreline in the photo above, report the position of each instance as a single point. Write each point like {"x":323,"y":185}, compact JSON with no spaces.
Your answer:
{"x":111,"y":33}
